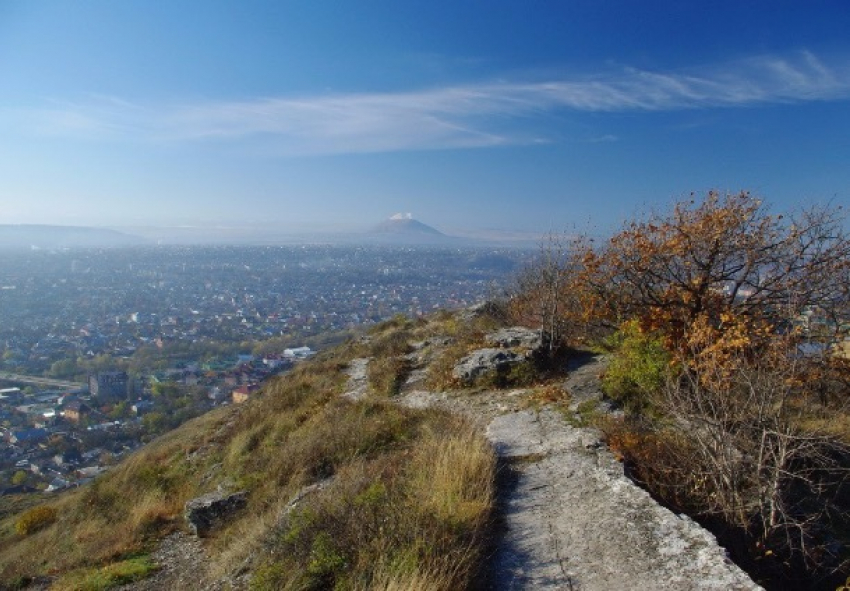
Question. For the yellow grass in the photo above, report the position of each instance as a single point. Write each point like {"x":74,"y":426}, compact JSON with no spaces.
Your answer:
{"x":407,"y":505}
{"x":454,"y":477}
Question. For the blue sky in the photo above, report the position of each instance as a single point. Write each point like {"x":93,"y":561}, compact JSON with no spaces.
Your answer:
{"x":527,"y":116}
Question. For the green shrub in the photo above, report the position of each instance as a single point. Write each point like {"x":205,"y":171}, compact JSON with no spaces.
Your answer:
{"x":269,"y":576}
{"x":517,"y":375}
{"x":35,"y":519}
{"x":639,"y":367}
{"x":107,"y":577}
{"x":326,"y":560}
{"x":523,"y":374}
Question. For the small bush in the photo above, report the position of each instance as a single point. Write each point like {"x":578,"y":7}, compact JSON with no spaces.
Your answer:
{"x":638,"y":369}
{"x":659,"y":459}
{"x":326,"y":560}
{"x":35,"y":519}
{"x":106,"y":577}
{"x":517,"y":375}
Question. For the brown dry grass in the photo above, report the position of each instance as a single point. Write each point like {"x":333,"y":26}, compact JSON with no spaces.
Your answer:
{"x":408,"y":502}
{"x":439,"y":373}
{"x":414,"y":517}
{"x":386,"y":375}
{"x":118,"y":514}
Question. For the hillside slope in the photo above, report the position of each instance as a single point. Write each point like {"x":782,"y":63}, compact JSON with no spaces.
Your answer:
{"x":358,"y":494}
{"x":368,"y":468}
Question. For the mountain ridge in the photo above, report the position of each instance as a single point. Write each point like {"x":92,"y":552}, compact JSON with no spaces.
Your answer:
{"x":45,"y":236}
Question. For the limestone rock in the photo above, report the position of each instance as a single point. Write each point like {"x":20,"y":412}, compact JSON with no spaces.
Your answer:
{"x":573,"y":520}
{"x":208,"y":511}
{"x":481,"y":309}
{"x":510,"y":347}
{"x":482,"y":361}
{"x":516,"y":336}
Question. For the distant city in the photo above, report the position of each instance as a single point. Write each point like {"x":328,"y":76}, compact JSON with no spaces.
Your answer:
{"x":102,"y":349}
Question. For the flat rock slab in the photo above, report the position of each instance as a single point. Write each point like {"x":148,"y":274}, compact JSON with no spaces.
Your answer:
{"x":358,"y":384}
{"x":574,"y":521}
{"x":516,"y":336}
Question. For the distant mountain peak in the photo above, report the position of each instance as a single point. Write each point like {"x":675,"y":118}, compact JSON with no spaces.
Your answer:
{"x":405,"y":224}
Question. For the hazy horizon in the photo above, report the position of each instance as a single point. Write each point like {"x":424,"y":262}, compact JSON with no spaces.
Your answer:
{"x":312,"y":117}
{"x":55,"y":235}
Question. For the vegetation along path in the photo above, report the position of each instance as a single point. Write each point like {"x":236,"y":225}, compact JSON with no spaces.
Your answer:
{"x":570,"y":518}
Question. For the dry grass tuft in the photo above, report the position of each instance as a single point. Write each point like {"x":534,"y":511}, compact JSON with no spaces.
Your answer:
{"x":386,"y":375}
{"x":413,"y":517}
{"x":439,"y":373}
{"x":453,"y":478}
{"x":417,"y":580}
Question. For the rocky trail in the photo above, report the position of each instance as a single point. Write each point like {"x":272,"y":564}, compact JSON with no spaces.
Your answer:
{"x":569,"y":517}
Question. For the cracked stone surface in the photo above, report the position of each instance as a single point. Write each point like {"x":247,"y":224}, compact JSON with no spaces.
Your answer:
{"x":574,"y":521}
{"x":358,"y":385}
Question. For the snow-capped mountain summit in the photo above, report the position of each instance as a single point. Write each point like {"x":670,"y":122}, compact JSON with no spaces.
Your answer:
{"x":404,"y":224}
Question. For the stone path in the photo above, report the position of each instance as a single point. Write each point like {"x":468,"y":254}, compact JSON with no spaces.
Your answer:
{"x":181,"y":559}
{"x":358,"y":384}
{"x":570,"y":518}
{"x":574,"y":521}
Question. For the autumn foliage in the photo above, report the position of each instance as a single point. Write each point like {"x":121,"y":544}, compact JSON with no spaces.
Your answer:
{"x":722,"y":255}
{"x":733,"y":399}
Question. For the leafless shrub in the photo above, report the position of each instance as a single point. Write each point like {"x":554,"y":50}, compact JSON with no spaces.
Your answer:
{"x":752,"y":456}
{"x":545,"y":294}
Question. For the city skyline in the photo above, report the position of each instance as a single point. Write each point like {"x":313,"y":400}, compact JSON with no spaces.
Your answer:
{"x":318,"y":117}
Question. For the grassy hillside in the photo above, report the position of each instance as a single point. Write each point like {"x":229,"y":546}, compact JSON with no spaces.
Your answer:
{"x":405,"y":496}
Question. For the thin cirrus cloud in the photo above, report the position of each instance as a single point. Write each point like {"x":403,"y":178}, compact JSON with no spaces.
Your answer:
{"x":466,"y":116}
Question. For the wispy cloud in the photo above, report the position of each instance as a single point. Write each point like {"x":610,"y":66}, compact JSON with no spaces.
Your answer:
{"x":463,"y":116}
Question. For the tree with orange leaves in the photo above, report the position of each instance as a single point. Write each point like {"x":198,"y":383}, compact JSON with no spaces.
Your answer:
{"x":722,"y":282}
{"x":722,"y":255}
